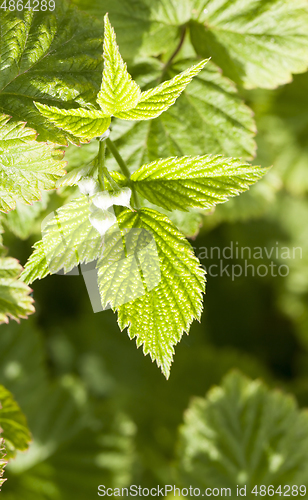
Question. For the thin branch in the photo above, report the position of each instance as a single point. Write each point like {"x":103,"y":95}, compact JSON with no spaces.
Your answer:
{"x":101,"y":164}
{"x":177,"y":50}
{"x":118,"y":158}
{"x":124,"y":168}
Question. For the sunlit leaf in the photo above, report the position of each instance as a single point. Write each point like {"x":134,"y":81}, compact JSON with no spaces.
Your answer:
{"x":216,"y":122}
{"x":15,"y":299}
{"x":194,"y":182}
{"x":50,"y":57}
{"x":69,"y":238}
{"x":118,"y":91}
{"x":155,"y":101}
{"x":82,"y":123}
{"x":27,"y":167}
{"x":159,"y":317}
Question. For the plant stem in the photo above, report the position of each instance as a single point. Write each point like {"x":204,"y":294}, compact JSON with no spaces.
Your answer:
{"x":124,"y":169}
{"x":109,"y":178}
{"x":118,"y":158}
{"x":177,"y":50}
{"x":101,"y":164}
{"x":136,"y":197}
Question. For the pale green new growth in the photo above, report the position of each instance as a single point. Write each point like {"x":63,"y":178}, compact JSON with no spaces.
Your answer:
{"x":159,"y":317}
{"x":26,"y":167}
{"x":216,"y":122}
{"x":155,"y":101}
{"x":13,"y":424}
{"x":118,"y":91}
{"x":68,"y":240}
{"x":15,"y":300}
{"x":200,"y":182}
{"x":36,"y":266}
{"x":82,"y":123}
{"x":243,"y":434}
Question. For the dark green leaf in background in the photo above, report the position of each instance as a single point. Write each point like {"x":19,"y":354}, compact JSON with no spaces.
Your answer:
{"x":243,"y":434}
{"x":258,"y":43}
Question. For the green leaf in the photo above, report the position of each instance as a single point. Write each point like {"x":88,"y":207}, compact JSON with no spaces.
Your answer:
{"x":155,"y":101}
{"x":159,"y":317}
{"x":128,"y":267}
{"x":15,"y":300}
{"x":194,"y":182}
{"x":216,"y":122}
{"x":68,"y":240}
{"x":257,"y":43}
{"x":243,"y":434}
{"x":37,"y":266}
{"x":82,"y":123}
{"x":118,"y":91}
{"x":26,"y":167}
{"x":50,"y":57}
{"x":13,"y":423}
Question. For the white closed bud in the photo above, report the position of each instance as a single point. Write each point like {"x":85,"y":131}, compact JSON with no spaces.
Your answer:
{"x":102,"y":200}
{"x":105,"y":200}
{"x":102,"y":220}
{"x":123,"y":197}
{"x":87,"y":185}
